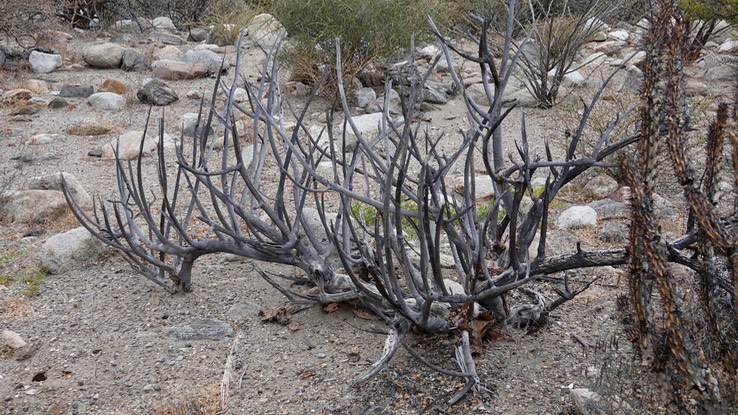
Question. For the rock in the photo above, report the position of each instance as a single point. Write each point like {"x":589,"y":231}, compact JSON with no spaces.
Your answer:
{"x":187,"y":123}
{"x":587,"y":402}
{"x":90,"y":129}
{"x":33,"y":206}
{"x":395,"y":103}
{"x":243,"y":311}
{"x":570,"y":79}
{"x":367,"y":125}
{"x":201,"y":329}
{"x":577,"y":217}
{"x":114,"y":86}
{"x":166,"y":38}
{"x":522,"y":98}
{"x":168,"y":52}
{"x":57,"y":103}
{"x":266,"y":31}
{"x":70,"y":250}
{"x":197,"y":35}
{"x":483,"y":186}
{"x":600,"y":186}
{"x":156,"y":92}
{"x":619,"y":35}
{"x":107,"y":101}
{"x":613,"y":232}
{"x":435,"y":92}
{"x":663,"y":207}
{"x":477,"y":93}
{"x":164,"y":23}
{"x":729,"y":46}
{"x":208,"y":46}
{"x":54,"y":182}
{"x":128,"y":145}
{"x":633,"y":79}
{"x":609,"y":48}
{"x":175,"y":70}
{"x":44,"y":62}
{"x":594,"y":60}
{"x":76,"y":91}
{"x":151,"y":387}
{"x":364,"y":97}
{"x":210,"y":59}
{"x":104,"y":56}
{"x":12,"y":339}
{"x":609,"y":207}
{"x":240,"y":95}
{"x":40,"y":139}
{"x":722,"y":72}
{"x":133,"y":61}
{"x":3,"y":58}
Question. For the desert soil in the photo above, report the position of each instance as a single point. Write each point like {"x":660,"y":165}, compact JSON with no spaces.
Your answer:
{"x":99,"y":337}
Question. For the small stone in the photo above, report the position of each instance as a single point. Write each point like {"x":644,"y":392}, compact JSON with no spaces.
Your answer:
{"x":57,"y":103}
{"x":166,"y":38}
{"x":133,"y":61}
{"x":12,"y":339}
{"x":151,"y":387}
{"x":197,"y":35}
{"x":321,"y":355}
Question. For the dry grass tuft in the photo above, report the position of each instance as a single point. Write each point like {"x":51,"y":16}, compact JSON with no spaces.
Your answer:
{"x":207,"y":402}
{"x":15,"y":308}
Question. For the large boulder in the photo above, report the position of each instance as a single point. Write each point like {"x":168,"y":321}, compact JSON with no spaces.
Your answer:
{"x":104,"y":56}
{"x":44,"y":62}
{"x":70,"y":250}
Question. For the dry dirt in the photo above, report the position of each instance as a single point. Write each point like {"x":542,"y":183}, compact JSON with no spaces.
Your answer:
{"x":98,"y":340}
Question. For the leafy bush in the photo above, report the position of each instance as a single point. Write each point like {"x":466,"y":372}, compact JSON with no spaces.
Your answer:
{"x":367,"y":30}
{"x":711,"y":9}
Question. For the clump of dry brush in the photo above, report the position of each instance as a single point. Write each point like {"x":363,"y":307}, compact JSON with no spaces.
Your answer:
{"x":262,"y":201}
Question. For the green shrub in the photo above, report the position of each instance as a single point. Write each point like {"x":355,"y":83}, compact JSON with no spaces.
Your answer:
{"x":711,"y":9}
{"x":367,"y":30}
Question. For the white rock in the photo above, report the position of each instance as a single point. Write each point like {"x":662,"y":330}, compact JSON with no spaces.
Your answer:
{"x":54,"y":182}
{"x":212,"y":60}
{"x":12,"y":339}
{"x":594,"y":60}
{"x":44,"y":62}
{"x":168,"y":52}
{"x":164,"y":23}
{"x":70,"y":250}
{"x":40,"y":139}
{"x":266,"y":31}
{"x":104,"y":56}
{"x":729,"y":46}
{"x":577,"y":217}
{"x":621,"y":35}
{"x":108,"y":101}
{"x":129,"y":145}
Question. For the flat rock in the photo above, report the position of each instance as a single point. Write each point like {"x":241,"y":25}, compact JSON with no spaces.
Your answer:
{"x":107,"y":101}
{"x":200,"y":329}
{"x":58,"y":102}
{"x":609,"y":207}
{"x":156,"y":92}
{"x":44,"y":62}
{"x":70,"y":250}
{"x":600,"y":186}
{"x":104,"y":56}
{"x":166,"y":38}
{"x":176,"y":70}
{"x":76,"y":91}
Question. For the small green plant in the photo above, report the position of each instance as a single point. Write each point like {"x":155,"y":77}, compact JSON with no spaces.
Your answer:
{"x":12,"y":270}
{"x":33,"y":280}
